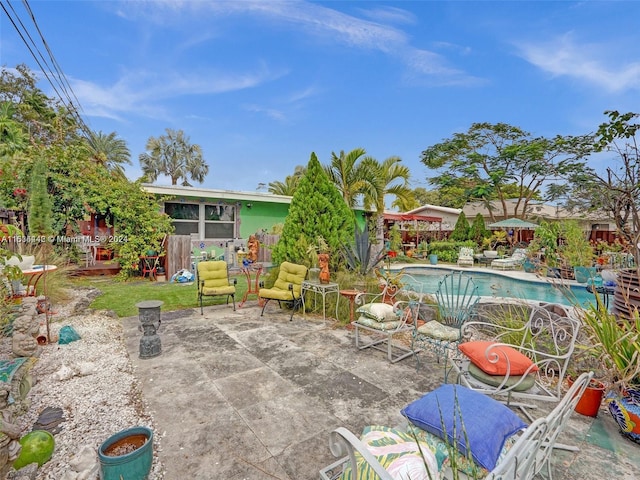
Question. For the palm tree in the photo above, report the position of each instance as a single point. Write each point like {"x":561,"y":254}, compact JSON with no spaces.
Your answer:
{"x":173,"y":155}
{"x":109,"y":150}
{"x":354,"y":175}
{"x":290,"y":184}
{"x":386,"y":175}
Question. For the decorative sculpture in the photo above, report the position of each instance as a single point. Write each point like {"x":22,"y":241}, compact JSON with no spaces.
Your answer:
{"x":323,"y":261}
{"x":253,"y":245}
{"x":9,"y":432}
{"x":25,"y":330}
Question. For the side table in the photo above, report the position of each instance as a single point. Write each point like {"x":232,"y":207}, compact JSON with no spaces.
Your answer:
{"x":323,"y":289}
{"x":252,"y":286}
{"x":351,"y":295}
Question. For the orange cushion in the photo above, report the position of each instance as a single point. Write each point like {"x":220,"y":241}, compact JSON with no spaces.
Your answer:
{"x":509,"y":360}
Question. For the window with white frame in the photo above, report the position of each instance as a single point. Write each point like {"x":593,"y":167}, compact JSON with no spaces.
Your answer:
{"x":204,"y":220}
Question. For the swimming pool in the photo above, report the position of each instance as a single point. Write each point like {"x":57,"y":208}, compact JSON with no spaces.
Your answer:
{"x":496,"y":285}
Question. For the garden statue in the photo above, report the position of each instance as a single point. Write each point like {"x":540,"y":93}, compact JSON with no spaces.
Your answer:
{"x":9,"y":432}
{"x":252,"y":246}
{"x":323,"y":262}
{"x":25,"y":330}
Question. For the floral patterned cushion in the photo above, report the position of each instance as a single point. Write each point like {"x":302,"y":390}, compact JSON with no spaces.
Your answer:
{"x":382,"y":312}
{"x":398,"y":453}
{"x":435,"y":329}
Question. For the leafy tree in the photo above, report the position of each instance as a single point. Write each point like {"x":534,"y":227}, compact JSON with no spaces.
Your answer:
{"x":616,"y":192}
{"x":500,"y":161}
{"x":290,"y":183}
{"x":109,"y":150}
{"x":478,"y":230}
{"x":317,"y":210}
{"x":173,"y":155}
{"x":461,"y":230}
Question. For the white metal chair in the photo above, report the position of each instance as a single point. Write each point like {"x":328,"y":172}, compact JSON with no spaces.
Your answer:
{"x":525,"y":459}
{"x":465,"y":257}
{"x":547,"y":338}
{"x":385,"y":315}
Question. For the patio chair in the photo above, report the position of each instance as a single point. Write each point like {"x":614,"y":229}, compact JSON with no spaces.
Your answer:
{"x":516,"y":259}
{"x":465,"y":257}
{"x":287,"y":287}
{"x":519,"y":363}
{"x":518,"y":451}
{"x":385,"y":315}
{"x":213,"y":280}
{"x":457,"y":299}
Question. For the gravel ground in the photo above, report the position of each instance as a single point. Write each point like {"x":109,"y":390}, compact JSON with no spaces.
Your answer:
{"x":92,"y":381}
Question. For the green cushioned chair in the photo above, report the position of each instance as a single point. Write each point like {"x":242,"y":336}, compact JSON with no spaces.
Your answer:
{"x":213,"y":280}
{"x":287,"y":287}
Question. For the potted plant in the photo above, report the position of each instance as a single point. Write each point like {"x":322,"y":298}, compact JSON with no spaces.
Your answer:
{"x":616,"y":341}
{"x":395,"y":241}
{"x":577,"y":251}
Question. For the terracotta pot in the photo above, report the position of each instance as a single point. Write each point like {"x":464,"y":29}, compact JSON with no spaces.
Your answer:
{"x":589,"y":403}
{"x":626,"y":297}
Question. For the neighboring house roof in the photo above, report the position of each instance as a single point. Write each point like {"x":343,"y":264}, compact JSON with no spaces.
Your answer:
{"x":534,"y":210}
{"x":181,"y":191}
{"x":409,"y":217}
{"x":436,"y":208}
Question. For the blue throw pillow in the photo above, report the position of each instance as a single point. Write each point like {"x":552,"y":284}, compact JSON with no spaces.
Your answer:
{"x":481,"y":424}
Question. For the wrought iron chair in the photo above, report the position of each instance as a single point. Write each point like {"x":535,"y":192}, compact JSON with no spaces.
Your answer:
{"x":457,"y":299}
{"x":213,"y":280}
{"x":382,"y":316}
{"x":519,"y":363}
{"x":287,"y":287}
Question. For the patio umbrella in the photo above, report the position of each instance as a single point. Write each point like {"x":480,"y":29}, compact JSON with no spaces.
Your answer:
{"x":513,"y":223}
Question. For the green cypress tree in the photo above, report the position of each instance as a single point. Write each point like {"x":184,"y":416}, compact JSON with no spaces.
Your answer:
{"x":317,"y":210}
{"x":478,"y":231}
{"x":461,"y":230}
{"x":40,"y":205}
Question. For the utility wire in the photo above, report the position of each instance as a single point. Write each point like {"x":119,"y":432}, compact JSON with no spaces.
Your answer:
{"x":57,"y":79}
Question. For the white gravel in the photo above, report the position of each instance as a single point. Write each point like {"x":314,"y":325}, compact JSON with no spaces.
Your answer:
{"x":92,"y":381}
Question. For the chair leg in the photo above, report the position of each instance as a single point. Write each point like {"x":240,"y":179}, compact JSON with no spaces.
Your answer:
{"x":233,"y":298}
{"x":201,"y":310}
{"x":266,"y":300}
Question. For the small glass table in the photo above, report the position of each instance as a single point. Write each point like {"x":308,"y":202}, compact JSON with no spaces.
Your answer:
{"x":253,"y":286}
{"x":323,"y":289}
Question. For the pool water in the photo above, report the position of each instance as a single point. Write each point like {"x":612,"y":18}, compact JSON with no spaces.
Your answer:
{"x":494,"y":285}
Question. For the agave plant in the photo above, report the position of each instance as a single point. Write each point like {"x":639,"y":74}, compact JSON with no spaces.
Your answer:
{"x":359,"y":256}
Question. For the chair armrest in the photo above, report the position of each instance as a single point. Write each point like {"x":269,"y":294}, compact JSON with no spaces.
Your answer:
{"x":291,"y":287}
{"x":261,"y":284}
{"x":344,"y":443}
{"x":235,"y":281}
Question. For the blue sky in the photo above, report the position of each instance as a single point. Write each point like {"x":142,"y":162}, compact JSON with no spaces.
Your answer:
{"x":262,"y":84}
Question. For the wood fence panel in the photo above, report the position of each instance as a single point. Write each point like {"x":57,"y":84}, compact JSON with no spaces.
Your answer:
{"x":178,"y":254}
{"x":266,"y":243}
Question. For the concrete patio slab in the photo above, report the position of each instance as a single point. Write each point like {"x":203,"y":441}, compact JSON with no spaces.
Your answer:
{"x":239,"y":396}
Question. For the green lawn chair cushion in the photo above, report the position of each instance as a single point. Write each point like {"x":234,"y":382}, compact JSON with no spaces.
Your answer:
{"x":289,"y":274}
{"x":522,"y":383}
{"x":383,"y":326}
{"x":382,"y":312}
{"x":437,"y":330}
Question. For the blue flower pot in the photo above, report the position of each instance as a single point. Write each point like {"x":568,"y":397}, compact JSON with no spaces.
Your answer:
{"x":127,"y":455}
{"x":433,"y":259}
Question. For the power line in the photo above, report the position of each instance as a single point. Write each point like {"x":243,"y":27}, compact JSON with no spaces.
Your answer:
{"x":55,"y":76}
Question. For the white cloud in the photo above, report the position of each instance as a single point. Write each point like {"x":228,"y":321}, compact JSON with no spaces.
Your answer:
{"x":316,"y":20}
{"x":590,"y":63}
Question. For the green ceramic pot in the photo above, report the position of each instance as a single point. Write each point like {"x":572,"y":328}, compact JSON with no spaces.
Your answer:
{"x":127,"y":455}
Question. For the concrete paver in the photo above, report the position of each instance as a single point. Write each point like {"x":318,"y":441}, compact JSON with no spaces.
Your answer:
{"x":239,"y":396}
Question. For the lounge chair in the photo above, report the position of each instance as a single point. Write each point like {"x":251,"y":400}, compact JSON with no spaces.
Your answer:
{"x":509,"y":263}
{"x":287,"y":287}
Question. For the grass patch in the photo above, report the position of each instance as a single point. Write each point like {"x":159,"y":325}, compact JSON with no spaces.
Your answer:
{"x":121,"y":297}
